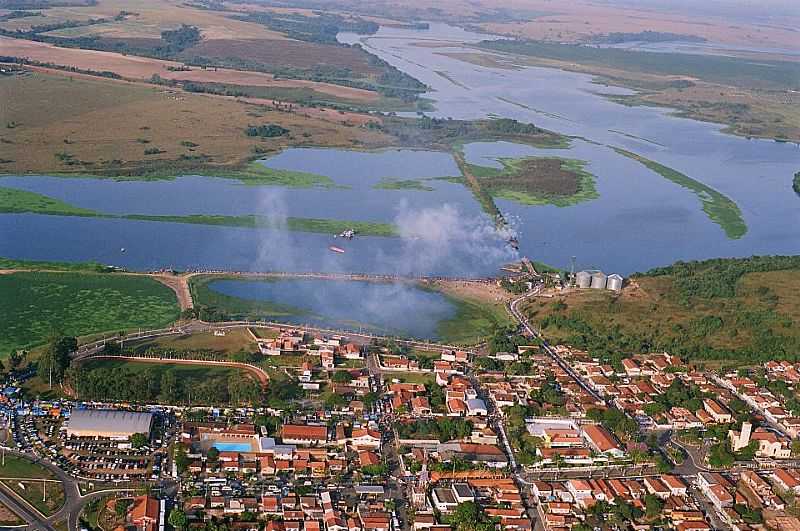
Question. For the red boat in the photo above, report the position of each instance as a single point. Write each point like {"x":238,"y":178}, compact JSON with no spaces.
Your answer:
{"x":336,"y":249}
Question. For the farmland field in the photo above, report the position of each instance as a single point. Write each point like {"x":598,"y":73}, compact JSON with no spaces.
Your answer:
{"x":35,"y":304}
{"x":76,"y":124}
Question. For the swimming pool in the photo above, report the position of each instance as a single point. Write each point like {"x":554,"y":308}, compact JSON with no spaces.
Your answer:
{"x":233,"y":447}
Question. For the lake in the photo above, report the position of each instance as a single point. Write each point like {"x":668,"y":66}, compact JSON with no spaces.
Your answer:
{"x":385,"y":308}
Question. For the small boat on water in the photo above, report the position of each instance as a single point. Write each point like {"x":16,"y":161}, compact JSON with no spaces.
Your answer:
{"x":336,"y":249}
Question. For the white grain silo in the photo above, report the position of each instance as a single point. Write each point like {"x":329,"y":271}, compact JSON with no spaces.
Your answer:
{"x":614,"y":282}
{"x":599,"y":280}
{"x":583,"y":279}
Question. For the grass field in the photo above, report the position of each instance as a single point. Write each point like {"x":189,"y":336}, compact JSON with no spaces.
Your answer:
{"x":17,"y":467}
{"x":478,"y":312}
{"x":48,"y":502}
{"x":719,"y":208}
{"x":35,"y":304}
{"x":411,"y":377}
{"x":76,"y":124}
{"x":757,"y":323}
{"x":235,"y":340}
{"x":538,"y":181}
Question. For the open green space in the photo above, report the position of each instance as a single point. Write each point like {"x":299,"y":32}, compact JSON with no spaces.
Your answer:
{"x":235,"y":340}
{"x":47,"y":497}
{"x":719,"y":208}
{"x":18,"y":467}
{"x":728,"y":311}
{"x":411,"y":377}
{"x":18,"y":201}
{"x":34,"y":304}
{"x":474,"y":321}
{"x":215,"y":306}
{"x":538,"y":181}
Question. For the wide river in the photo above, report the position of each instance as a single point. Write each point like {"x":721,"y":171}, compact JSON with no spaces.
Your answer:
{"x":640,"y":220}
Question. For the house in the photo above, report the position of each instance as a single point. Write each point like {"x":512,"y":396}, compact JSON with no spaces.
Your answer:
{"x":420,"y":406}
{"x":144,"y":512}
{"x":720,"y":414}
{"x":601,"y":440}
{"x":787,"y":480}
{"x":365,"y":438}
{"x":304,"y":435}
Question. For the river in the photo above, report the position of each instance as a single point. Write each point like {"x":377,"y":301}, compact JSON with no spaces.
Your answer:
{"x":640,"y":219}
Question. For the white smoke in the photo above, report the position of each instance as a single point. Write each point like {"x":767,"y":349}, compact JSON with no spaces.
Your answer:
{"x":445,"y":239}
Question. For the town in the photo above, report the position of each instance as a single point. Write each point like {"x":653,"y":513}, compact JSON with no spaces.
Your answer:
{"x":378,"y":434}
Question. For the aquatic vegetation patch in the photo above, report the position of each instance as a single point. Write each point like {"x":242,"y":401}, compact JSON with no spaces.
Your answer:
{"x":538,"y":181}
{"x":720,"y":209}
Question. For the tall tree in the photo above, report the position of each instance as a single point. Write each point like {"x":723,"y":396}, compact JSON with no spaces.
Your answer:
{"x":55,"y":358}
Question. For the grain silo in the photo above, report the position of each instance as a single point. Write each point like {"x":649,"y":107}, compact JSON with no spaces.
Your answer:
{"x":599,"y":280}
{"x":583,"y":279}
{"x":614,"y":282}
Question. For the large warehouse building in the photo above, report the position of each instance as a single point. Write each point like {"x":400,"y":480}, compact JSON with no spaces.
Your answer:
{"x":108,"y":423}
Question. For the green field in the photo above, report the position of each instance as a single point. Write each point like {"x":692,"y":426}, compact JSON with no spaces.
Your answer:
{"x":719,"y":208}
{"x":35,"y":304}
{"x":17,"y":467}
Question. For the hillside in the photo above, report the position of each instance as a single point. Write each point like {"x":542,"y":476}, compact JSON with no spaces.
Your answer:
{"x":734,"y":311}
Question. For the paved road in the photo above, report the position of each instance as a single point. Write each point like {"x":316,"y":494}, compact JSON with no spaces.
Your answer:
{"x":519,"y":316}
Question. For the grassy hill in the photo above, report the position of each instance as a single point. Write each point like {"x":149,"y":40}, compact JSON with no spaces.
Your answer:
{"x":729,"y":311}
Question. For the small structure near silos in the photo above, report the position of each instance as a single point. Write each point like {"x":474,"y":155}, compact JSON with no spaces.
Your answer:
{"x":583,"y":279}
{"x":599,"y":280}
{"x":614,"y":282}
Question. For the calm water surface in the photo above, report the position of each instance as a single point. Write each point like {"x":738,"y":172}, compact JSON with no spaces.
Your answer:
{"x":640,"y":220}
{"x":388,"y":308}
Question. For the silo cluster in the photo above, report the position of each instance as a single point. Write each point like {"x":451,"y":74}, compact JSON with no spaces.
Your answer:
{"x":595,"y":279}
